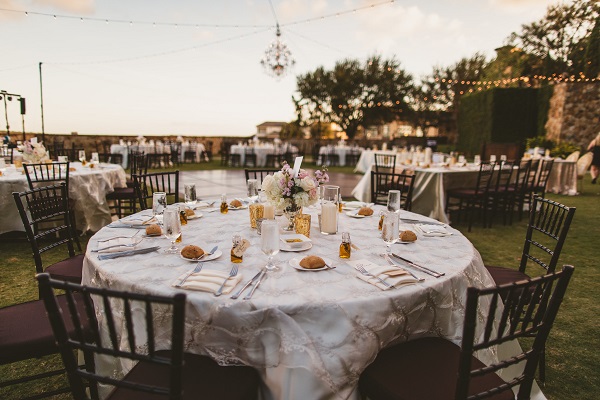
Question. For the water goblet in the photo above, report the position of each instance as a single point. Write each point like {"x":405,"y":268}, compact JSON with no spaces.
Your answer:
{"x":253,"y":190}
{"x":477,"y":159}
{"x":390,"y":230}
{"x":493,"y":158}
{"x":172,"y":227}
{"x":159,"y":203}
{"x":190,"y":194}
{"x":270,"y":242}
{"x":393,"y":203}
{"x":95,"y":158}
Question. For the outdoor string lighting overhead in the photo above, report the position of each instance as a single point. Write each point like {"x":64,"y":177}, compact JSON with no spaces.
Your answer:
{"x":278,"y":59}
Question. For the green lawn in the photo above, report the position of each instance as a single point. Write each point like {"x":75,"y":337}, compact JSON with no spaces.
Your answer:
{"x":572,"y":356}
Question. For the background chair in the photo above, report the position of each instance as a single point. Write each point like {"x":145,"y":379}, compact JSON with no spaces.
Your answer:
{"x":249,"y":157}
{"x":158,"y":373}
{"x":499,"y":192}
{"x":111,"y":158}
{"x":435,"y":368}
{"x":383,"y":182}
{"x":7,"y":154}
{"x":189,"y":156}
{"x":146,"y":185}
{"x":50,"y":205}
{"x":385,"y":162}
{"x":259,"y":174}
{"x":473,"y":199}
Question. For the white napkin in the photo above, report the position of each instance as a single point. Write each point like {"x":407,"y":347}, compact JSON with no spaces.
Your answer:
{"x":354,"y":204}
{"x":433,"y":230}
{"x":120,"y":244}
{"x":141,"y":220}
{"x":209,"y":280}
{"x":380,"y":271}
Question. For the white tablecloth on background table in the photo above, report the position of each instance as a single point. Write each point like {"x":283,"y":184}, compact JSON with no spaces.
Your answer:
{"x":341,"y":151}
{"x":309,"y":333}
{"x":261,"y":152}
{"x":563,"y":178}
{"x":429,"y":189}
{"x":367,"y":159}
{"x":87,"y":187}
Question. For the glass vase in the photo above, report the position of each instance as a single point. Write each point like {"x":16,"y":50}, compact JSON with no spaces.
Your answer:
{"x":290,"y":213}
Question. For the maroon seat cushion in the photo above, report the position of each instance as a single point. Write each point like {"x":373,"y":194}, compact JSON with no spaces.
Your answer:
{"x":503,"y":275}
{"x":422,"y":369}
{"x":25,"y":330}
{"x":201,"y":378}
{"x":67,"y":270}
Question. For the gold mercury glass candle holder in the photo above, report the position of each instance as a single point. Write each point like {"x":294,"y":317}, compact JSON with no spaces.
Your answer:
{"x":303,"y":224}
{"x":256,"y":212}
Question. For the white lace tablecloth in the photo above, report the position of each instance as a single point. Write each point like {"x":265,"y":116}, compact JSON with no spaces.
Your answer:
{"x":429,"y":190}
{"x":563,"y":178}
{"x":310,"y":334}
{"x":87,"y":187}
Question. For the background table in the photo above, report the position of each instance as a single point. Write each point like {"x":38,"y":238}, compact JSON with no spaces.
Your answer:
{"x":341,"y":152}
{"x":87,"y":187}
{"x":563,"y":178}
{"x":310,"y":334}
{"x":261,"y":152}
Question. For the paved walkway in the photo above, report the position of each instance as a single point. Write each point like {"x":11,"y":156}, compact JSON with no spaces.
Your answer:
{"x":211,"y":184}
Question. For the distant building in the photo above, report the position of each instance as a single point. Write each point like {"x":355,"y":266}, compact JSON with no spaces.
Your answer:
{"x":269,"y":129}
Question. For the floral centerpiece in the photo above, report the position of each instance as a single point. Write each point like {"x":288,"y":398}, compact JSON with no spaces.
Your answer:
{"x":290,"y":194}
{"x":34,"y":153}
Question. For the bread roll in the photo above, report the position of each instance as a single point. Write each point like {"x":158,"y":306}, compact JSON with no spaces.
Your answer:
{"x":189,"y":212}
{"x":408,"y":236}
{"x":153,"y":230}
{"x":191,"y":251}
{"x":365,"y":211}
{"x":235,"y":203}
{"x":312,"y":262}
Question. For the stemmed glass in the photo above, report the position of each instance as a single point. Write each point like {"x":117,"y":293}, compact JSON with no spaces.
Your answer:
{"x":172,"y":228}
{"x":390,"y":230}
{"x":393,"y":204}
{"x":253,"y":190}
{"x":269,"y":232}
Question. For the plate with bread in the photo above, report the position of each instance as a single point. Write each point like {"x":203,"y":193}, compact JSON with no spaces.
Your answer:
{"x":191,"y":214}
{"x":360,"y":213}
{"x":195,"y":253}
{"x":236,"y":204}
{"x":310,"y":263}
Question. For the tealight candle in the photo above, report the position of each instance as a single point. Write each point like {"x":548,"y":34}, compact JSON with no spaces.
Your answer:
{"x":269,"y":211}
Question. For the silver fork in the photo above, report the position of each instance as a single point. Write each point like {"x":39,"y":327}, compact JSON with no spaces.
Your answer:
{"x":232,"y":273}
{"x":367,"y":273}
{"x":195,"y":270}
{"x":118,"y":245}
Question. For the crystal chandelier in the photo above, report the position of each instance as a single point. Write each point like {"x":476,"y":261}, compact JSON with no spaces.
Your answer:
{"x":277,"y":60}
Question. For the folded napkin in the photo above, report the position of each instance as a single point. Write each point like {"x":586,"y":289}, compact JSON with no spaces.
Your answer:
{"x":354,"y":204}
{"x":209,"y":280}
{"x":117,"y":244}
{"x":380,"y":271}
{"x":202,"y":204}
{"x":432,"y":230}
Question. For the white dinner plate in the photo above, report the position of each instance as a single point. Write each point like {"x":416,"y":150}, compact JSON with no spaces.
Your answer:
{"x":153,"y":236}
{"x":195,"y":216}
{"x":295,"y":263}
{"x":213,"y":256}
{"x":238,"y":208}
{"x":303,"y":247}
{"x":354,"y":214}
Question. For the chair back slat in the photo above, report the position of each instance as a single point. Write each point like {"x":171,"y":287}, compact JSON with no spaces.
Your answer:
{"x":259,"y":174}
{"x":549,"y":224}
{"x":146,"y":185}
{"x":485,"y":176}
{"x":530,"y":307}
{"x":383,"y":182}
{"x":385,"y":162}
{"x":139,"y":348}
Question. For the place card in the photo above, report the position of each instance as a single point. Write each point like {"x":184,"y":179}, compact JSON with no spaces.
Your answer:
{"x":296,"y":169}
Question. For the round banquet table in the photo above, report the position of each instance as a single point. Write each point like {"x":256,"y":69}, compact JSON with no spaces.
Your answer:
{"x":87,"y":187}
{"x":309,"y":333}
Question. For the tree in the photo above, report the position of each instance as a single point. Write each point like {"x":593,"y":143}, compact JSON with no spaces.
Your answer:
{"x":353,"y":95}
{"x":557,"y":37}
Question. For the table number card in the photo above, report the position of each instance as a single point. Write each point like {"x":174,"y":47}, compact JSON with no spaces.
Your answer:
{"x":296,"y":169}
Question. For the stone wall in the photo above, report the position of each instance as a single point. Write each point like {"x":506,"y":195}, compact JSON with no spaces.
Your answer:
{"x":574,"y":114}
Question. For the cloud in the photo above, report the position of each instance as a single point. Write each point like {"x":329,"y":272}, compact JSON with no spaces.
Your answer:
{"x":74,"y":6}
{"x":521,"y":5}
{"x":293,"y":10}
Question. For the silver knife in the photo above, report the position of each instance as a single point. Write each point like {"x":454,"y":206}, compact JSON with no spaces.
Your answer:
{"x":237,"y":294}
{"x":419,"y":267}
{"x":127,"y":253}
{"x":260,"y":278}
{"x":418,"y":221}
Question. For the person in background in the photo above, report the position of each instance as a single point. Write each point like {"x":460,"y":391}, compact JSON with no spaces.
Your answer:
{"x":594,"y":147}
{"x":6,"y":139}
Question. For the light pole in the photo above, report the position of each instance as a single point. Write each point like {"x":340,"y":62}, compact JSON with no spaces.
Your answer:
{"x":42,"y":101}
{"x":9,"y":96}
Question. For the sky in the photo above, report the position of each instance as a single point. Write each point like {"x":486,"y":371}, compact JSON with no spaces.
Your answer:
{"x":197,"y":70}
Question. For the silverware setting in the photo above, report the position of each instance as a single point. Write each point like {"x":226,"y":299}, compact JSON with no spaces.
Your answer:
{"x":258,"y":281}
{"x":418,"y":221}
{"x":203,"y":256}
{"x":367,"y":273}
{"x":392,"y":263}
{"x":198,"y":268}
{"x":127,"y":253}
{"x":118,"y":237}
{"x":118,"y":245}
{"x":251,"y":281}
{"x":232,"y":273}
{"x":421,"y":268}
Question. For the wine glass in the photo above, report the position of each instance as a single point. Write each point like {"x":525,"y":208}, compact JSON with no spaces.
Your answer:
{"x":253,"y":190}
{"x":82,"y":156}
{"x":390,"y":230}
{"x":190,"y":194}
{"x":269,"y":232}
{"x":172,"y":227}
{"x":393,"y":204}
{"x":159,"y":203}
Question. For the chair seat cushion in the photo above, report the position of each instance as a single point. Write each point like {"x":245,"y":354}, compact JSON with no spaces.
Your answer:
{"x":201,"y":378}
{"x":68,"y":269}
{"x":25,"y":330}
{"x":504,"y":275}
{"x":422,"y":369}
{"x":464,"y":193}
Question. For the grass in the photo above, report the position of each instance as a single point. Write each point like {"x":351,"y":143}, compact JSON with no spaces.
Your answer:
{"x":572,"y":357}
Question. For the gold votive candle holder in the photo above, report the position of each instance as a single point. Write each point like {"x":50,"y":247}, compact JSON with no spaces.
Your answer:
{"x":302,"y":224}
{"x":256,"y":212}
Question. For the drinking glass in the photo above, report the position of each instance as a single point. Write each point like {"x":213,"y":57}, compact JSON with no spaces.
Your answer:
{"x":270,"y":241}
{"x":477,"y":159}
{"x":393,"y":203}
{"x":172,"y":227}
{"x":82,"y":156}
{"x":63,"y":159}
{"x":503,"y":157}
{"x":390,"y":230}
{"x":190,"y":194}
{"x":95,"y":158}
{"x":159,"y":203}
{"x":493,"y":158}
{"x":253,"y":190}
